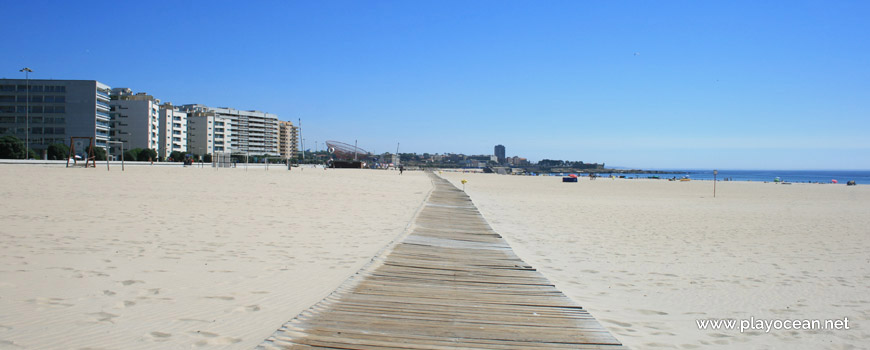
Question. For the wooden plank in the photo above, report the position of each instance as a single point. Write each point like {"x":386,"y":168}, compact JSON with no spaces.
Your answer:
{"x":452,"y":283}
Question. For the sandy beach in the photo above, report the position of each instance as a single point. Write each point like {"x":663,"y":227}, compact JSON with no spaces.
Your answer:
{"x":648,"y":258}
{"x":181,"y":258}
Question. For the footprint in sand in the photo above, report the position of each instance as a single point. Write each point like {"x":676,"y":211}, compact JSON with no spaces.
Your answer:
{"x":206,"y":334}
{"x":214,"y":339}
{"x":249,"y":308}
{"x":9,"y":344}
{"x":103,"y":316}
{"x":131,"y":282}
{"x":621,"y":324}
{"x":651,"y":312}
{"x":54,"y":302}
{"x":159,"y":336}
{"x":124,"y":304}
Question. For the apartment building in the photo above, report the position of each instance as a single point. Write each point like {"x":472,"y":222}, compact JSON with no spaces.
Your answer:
{"x":499,"y":154}
{"x":253,"y":132}
{"x":135,"y":120}
{"x":173,"y":130}
{"x":58,"y":110}
{"x":208,"y":133}
{"x":288,"y":139}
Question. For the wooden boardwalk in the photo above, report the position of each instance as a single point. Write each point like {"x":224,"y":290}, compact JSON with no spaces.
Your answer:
{"x":451,"y":283}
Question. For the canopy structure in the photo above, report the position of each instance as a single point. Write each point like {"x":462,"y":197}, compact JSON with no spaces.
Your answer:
{"x":345,"y":151}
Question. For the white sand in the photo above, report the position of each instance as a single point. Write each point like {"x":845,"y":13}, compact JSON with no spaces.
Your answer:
{"x":180,"y":258}
{"x":649,"y":257}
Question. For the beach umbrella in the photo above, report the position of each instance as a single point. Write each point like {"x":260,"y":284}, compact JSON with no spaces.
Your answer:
{"x":833,"y":181}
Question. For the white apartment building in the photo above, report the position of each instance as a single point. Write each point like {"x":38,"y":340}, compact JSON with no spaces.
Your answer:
{"x":253,"y":132}
{"x":173,"y":130}
{"x":208,"y":133}
{"x":135,"y":120}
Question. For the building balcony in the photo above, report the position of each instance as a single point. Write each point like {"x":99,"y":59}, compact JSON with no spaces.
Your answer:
{"x":103,"y":95}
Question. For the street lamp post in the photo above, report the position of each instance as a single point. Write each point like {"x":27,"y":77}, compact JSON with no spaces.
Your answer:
{"x":302,"y":141}
{"x":27,"y":72}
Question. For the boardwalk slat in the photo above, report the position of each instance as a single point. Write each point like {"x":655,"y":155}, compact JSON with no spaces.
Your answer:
{"x":451,"y":283}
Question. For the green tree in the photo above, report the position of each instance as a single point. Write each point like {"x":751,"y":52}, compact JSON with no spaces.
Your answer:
{"x":99,"y":153}
{"x":177,"y":156}
{"x":132,"y":154}
{"x":58,"y":151}
{"x":147,"y":155}
{"x":206,"y":158}
{"x":11,"y":147}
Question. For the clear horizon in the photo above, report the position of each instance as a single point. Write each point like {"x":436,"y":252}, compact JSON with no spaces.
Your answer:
{"x":673,"y":85}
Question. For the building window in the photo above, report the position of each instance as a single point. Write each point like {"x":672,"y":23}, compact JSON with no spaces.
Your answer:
{"x":33,"y":88}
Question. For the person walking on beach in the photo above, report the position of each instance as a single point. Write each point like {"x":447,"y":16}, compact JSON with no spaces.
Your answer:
{"x":401,"y":169}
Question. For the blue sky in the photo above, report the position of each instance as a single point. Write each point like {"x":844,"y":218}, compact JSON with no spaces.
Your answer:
{"x":678,"y":84}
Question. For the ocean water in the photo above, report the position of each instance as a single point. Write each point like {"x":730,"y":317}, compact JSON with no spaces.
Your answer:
{"x":861,"y":177}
